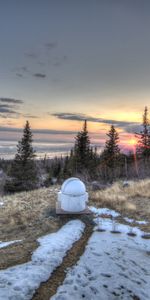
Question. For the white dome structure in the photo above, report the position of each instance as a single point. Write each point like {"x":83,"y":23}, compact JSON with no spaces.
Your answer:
{"x":73,"y":195}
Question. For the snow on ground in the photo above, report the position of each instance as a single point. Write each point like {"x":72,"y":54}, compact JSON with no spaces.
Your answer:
{"x":20,"y":282}
{"x":6,"y":244}
{"x":112,"y":225}
{"x":113,"y":266}
{"x":128,"y":220}
{"x":114,"y":214}
{"x":104,"y":211}
{"x":142,"y":222}
{"x":1,"y":203}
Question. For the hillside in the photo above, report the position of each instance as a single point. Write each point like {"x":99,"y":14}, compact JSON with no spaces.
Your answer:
{"x":27,"y":216}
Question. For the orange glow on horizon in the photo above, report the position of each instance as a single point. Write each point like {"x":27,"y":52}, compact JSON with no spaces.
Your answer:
{"x":132,"y":141}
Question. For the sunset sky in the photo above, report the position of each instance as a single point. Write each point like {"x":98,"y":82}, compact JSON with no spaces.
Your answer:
{"x":62,"y":61}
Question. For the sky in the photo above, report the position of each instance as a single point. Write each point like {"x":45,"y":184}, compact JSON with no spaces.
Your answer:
{"x":63,"y":61}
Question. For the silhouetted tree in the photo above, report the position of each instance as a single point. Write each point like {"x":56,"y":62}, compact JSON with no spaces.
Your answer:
{"x":111,"y":154}
{"x":143,"y":144}
{"x":23,"y":170}
{"x":82,"y":149}
{"x":67,"y":168}
{"x":56,"y":167}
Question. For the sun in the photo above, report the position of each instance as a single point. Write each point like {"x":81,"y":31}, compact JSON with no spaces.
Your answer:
{"x":132,"y":142}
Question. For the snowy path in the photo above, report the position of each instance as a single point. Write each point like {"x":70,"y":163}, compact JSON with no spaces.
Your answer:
{"x":113,"y":266}
{"x":20,"y":282}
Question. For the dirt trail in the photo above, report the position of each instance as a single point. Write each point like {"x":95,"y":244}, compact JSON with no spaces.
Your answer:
{"x":49,"y":288}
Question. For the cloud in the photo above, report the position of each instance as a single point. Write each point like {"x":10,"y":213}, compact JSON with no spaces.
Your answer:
{"x":41,"y":63}
{"x":3,"y":116}
{"x":69,"y":116}
{"x":5,"y":110}
{"x":21,"y":71}
{"x":19,"y":75}
{"x":30,"y":116}
{"x":81,"y":117}
{"x":8,"y":107}
{"x":10,"y":100}
{"x":39,"y":75}
{"x":59,"y":61}
{"x":133,"y":128}
{"x":39,"y":131}
{"x":24,"y":69}
{"x":51,"y":45}
{"x":31,"y":55}
{"x":5,"y":106}
{"x":9,"y":114}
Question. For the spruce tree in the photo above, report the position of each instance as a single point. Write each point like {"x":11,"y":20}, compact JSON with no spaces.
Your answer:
{"x":67,"y":167}
{"x":82,"y":149}
{"x":23,"y":171}
{"x":111,"y":153}
{"x":143,"y":144}
{"x":56,"y":167}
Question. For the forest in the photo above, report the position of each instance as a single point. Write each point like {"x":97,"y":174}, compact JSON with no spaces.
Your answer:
{"x":84,"y":161}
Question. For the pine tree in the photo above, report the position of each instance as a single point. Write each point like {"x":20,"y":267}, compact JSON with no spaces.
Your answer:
{"x":67,"y":167}
{"x":23,"y":171}
{"x":143,"y":144}
{"x":93,"y":163}
{"x":56,"y":167}
{"x":82,"y":149}
{"x":111,"y":153}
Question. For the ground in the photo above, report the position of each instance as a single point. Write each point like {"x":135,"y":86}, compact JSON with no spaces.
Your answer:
{"x":132,"y":201}
{"x":113,"y":266}
{"x":28,"y":216}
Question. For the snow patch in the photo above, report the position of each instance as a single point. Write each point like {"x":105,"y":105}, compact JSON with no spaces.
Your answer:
{"x":112,"y":225}
{"x":128,"y":220}
{"x":112,"y":267}
{"x":1,"y":203}
{"x":114,"y":214}
{"x":20,"y":282}
{"x":104,"y":211}
{"x":6,"y":244}
{"x":142,"y":222}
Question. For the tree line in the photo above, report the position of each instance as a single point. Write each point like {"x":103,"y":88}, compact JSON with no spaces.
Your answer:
{"x":83,"y":161}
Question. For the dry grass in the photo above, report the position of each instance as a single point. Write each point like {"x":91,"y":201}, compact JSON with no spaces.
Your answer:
{"x":25,"y":209}
{"x":132,"y":201}
{"x":26,"y":216}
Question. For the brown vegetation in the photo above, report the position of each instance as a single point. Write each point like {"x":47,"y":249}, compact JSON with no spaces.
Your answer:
{"x":132,"y":201}
{"x":26,"y":216}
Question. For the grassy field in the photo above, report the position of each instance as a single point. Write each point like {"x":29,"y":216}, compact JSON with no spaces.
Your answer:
{"x":28,"y":215}
{"x":132,"y":201}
